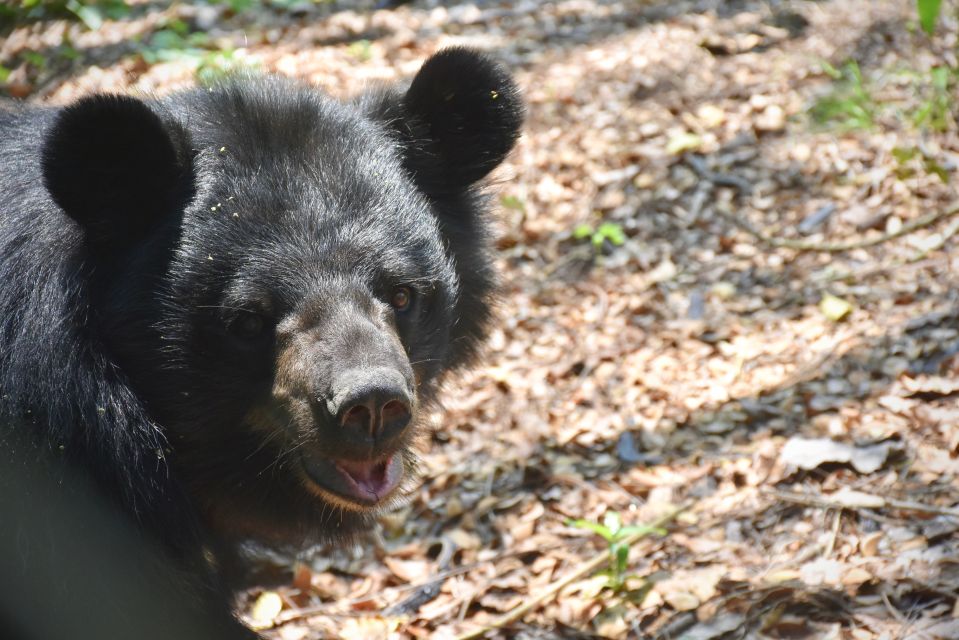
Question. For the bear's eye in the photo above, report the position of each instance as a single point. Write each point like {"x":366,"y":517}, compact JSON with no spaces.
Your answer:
{"x":248,"y":325}
{"x":402,"y":298}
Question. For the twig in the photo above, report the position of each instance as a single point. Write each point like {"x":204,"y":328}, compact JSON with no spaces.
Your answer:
{"x":584,"y":569}
{"x":874,"y":502}
{"x":699,"y":166}
{"x":902,"y":620}
{"x":809,"y":370}
{"x":833,"y":533}
{"x":899,"y":266}
{"x":719,"y":179}
{"x":839,"y":247}
{"x":713,"y":178}
{"x":327,"y":608}
{"x":947,"y":233}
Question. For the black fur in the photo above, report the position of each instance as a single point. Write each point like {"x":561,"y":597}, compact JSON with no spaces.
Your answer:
{"x":184,"y":282}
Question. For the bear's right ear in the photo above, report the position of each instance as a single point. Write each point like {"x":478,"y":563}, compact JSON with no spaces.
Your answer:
{"x":116,"y":168}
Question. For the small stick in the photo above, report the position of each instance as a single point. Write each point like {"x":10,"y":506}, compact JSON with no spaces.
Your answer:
{"x":826,"y":502}
{"x":833,"y":534}
{"x":947,"y":233}
{"x":584,"y":569}
{"x":839,"y":247}
{"x":327,"y":608}
{"x":717,"y":179}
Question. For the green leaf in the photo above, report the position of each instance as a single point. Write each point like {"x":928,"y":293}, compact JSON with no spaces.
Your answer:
{"x":612,"y":522}
{"x":88,"y":14}
{"x":595,"y":527}
{"x":4,"y":74}
{"x":115,"y":9}
{"x":167,"y":39}
{"x":940,"y":77}
{"x":362,"y":50}
{"x":178,"y":26}
{"x":613,"y":232}
{"x":904,"y":154}
{"x":216,"y":65}
{"x":34,"y":58}
{"x":614,"y":582}
{"x":512,"y":202}
{"x":928,"y":14}
{"x":583,"y":231}
{"x":849,"y":104}
{"x":640,"y":529}
{"x":621,"y":554}
{"x":238,"y":6}
{"x":830,"y":70}
{"x":937,"y":169}
{"x":852,"y":67}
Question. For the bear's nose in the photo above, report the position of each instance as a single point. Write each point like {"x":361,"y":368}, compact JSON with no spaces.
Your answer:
{"x":373,"y":402}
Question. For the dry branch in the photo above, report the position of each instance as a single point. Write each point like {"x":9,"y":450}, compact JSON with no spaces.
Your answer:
{"x":839,"y":247}
{"x":719,"y":179}
{"x":875,"y":502}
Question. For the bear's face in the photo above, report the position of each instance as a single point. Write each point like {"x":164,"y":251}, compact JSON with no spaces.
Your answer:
{"x":294,"y":282}
{"x":320,"y":300}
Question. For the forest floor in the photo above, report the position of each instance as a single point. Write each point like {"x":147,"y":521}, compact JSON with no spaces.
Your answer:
{"x":730,"y":309}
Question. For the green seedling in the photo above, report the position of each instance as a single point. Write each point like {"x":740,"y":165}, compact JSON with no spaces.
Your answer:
{"x":606,"y":232}
{"x":849,"y":105}
{"x":90,"y":12}
{"x":512,"y":202}
{"x":176,"y":42}
{"x":362,"y":50}
{"x":935,"y":111}
{"x":618,"y":538}
{"x":35,"y":59}
{"x":910,"y":159}
{"x":216,"y":65}
{"x":236,"y":6}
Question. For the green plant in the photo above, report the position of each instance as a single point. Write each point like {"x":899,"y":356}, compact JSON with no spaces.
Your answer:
{"x":214,"y":65}
{"x":90,"y":12}
{"x":34,"y":58}
{"x":176,"y":42}
{"x":928,"y":14}
{"x":910,"y":159}
{"x":362,"y":50}
{"x":848,"y":105}
{"x":616,"y":536}
{"x":93,"y":13}
{"x":513,"y":202}
{"x":935,"y":111}
{"x":611,"y":232}
{"x":236,"y":6}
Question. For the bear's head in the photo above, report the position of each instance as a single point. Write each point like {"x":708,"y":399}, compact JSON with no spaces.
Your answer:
{"x":284,"y":278}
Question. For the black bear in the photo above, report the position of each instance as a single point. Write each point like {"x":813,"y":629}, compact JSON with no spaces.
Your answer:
{"x":227,"y":309}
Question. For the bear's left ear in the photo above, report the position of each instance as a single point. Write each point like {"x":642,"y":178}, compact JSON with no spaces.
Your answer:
{"x":116,"y":168}
{"x":460,"y":118}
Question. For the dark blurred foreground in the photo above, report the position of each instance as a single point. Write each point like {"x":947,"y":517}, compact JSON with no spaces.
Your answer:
{"x":70,"y":567}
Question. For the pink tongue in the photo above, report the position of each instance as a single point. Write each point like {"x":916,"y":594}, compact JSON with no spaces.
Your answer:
{"x":368,"y":476}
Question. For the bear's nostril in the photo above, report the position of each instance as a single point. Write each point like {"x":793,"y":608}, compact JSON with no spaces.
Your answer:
{"x":358,"y":417}
{"x":394,"y":414}
{"x":371,"y":403}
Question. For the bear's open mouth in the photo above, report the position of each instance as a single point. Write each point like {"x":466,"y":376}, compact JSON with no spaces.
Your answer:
{"x":365,"y":483}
